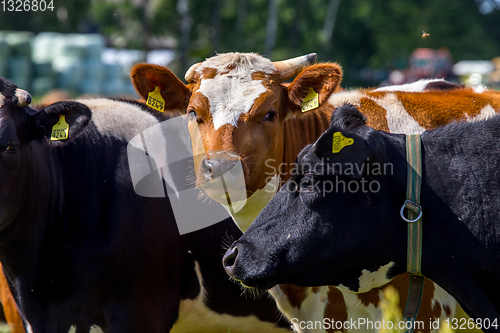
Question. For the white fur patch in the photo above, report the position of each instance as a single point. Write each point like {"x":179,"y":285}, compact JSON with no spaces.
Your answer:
{"x":357,"y":310}
{"x":118,"y":119}
{"x":369,"y":280}
{"x":195,"y":317}
{"x":444,"y":299}
{"x":255,"y":204}
{"x":311,"y":309}
{"x":232,"y":93}
{"x":352,"y":97}
{"x":487,"y":112}
{"x":417,"y":86}
{"x":230,"y":97}
{"x":2,"y":99}
{"x":398,"y":120}
{"x":480,"y":89}
{"x":93,"y":329}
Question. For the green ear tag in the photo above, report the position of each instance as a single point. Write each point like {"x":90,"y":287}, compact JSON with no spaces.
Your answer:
{"x":340,"y":141}
{"x":311,"y":101}
{"x":155,"y":100}
{"x":60,"y":131}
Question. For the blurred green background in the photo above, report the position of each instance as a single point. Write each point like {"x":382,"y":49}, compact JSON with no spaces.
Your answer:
{"x":88,"y":47}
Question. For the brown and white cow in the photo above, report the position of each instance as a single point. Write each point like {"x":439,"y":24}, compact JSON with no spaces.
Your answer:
{"x":245,"y":112}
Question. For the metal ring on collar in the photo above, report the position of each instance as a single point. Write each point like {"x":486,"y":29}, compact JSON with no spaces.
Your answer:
{"x":403,"y":215}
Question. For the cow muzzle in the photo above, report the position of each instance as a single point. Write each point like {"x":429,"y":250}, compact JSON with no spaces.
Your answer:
{"x":244,"y":271}
{"x":221,"y":176}
{"x":217,"y":164}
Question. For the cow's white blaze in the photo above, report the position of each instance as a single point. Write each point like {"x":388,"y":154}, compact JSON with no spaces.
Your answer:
{"x":417,"y":86}
{"x":232,"y":92}
{"x":369,"y":280}
{"x":398,"y":119}
{"x":195,"y":316}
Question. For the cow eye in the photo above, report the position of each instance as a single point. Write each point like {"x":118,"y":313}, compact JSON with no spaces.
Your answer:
{"x":11,"y":148}
{"x":307,"y":183}
{"x":270,"y":116}
{"x":193,"y":115}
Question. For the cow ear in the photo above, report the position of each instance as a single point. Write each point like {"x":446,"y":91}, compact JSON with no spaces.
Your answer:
{"x":76,"y":116}
{"x":324,"y":79}
{"x":347,"y":153}
{"x":147,"y":77}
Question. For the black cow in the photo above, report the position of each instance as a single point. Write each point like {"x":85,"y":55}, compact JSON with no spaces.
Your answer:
{"x":313,"y":234}
{"x":81,"y":250}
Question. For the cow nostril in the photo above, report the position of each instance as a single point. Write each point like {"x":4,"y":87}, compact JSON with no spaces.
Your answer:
{"x":206,"y":169}
{"x":230,"y":258}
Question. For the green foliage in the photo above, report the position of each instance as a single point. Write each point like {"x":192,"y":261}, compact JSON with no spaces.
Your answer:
{"x":375,"y":33}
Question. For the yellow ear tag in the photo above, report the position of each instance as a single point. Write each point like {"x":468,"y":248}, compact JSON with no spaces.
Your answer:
{"x":340,"y":141}
{"x":311,"y":101}
{"x":60,"y":131}
{"x":155,"y":100}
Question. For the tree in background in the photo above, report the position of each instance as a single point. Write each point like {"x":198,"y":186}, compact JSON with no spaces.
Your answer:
{"x":355,"y":33}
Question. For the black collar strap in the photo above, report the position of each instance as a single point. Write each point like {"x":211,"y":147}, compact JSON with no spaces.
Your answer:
{"x":414,"y":221}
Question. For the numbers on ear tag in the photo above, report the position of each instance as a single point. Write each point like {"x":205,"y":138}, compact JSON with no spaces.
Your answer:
{"x":60,"y":131}
{"x":155,"y":100}
{"x":340,"y":141}
{"x":311,"y":101}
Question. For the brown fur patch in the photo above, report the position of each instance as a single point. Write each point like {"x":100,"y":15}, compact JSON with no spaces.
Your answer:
{"x":11,"y":313}
{"x":428,"y":312}
{"x":259,"y":76}
{"x":336,"y":309}
{"x":296,"y":295}
{"x":301,"y":130}
{"x":377,"y":115}
{"x":447,"y":310}
{"x":370,"y":297}
{"x":208,"y":73}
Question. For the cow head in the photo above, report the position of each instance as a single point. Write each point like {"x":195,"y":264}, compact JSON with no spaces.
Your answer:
{"x":333,"y":222}
{"x":240,"y":103}
{"x":20,"y":127}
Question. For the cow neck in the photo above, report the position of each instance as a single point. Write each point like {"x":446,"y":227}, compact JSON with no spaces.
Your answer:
{"x":300,"y":131}
{"x":254,"y":204}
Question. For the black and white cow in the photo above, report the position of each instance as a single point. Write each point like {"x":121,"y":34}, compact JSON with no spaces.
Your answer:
{"x":82,"y":251}
{"x":313,"y":233}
